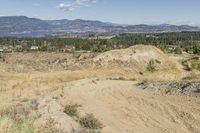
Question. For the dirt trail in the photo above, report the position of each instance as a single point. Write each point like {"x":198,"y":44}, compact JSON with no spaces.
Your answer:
{"x":123,"y":108}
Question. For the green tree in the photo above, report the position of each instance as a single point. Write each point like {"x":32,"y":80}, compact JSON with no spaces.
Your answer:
{"x":196,"y":48}
{"x":178,"y":50}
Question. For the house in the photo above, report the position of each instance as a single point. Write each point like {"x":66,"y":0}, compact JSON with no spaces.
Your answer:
{"x":1,"y":49}
{"x":172,"y":47}
{"x":7,"y":49}
{"x":26,"y":47}
{"x":151,"y":36}
{"x":114,"y":46}
{"x":67,"y":49}
{"x":34,"y":48}
{"x":117,"y":46}
{"x":18,"y":48}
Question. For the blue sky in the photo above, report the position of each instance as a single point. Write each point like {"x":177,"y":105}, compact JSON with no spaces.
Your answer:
{"x":116,"y":11}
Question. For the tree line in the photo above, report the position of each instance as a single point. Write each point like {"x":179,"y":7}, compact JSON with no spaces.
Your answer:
{"x":187,"y":41}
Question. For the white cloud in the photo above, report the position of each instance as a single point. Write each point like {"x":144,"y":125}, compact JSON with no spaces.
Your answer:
{"x":65,"y":7}
{"x":83,"y":2}
{"x":75,"y":4}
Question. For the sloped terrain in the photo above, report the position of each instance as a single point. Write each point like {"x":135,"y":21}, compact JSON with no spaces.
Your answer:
{"x":130,"y":63}
{"x":123,"y":108}
{"x":136,"y":58}
{"x":114,"y":86}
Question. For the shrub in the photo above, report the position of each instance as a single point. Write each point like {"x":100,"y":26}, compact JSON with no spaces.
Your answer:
{"x":49,"y":127}
{"x":157,"y":61}
{"x":164,"y":48}
{"x":178,"y":50}
{"x":151,"y":67}
{"x":198,"y":67}
{"x":71,"y":110}
{"x":90,"y":122}
{"x":196,"y":48}
{"x":195,"y":64}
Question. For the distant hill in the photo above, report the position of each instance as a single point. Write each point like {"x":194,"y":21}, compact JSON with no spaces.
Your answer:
{"x":20,"y":26}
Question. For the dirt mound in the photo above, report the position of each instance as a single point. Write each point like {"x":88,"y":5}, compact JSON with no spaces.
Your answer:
{"x":135,"y":58}
{"x":130,"y":63}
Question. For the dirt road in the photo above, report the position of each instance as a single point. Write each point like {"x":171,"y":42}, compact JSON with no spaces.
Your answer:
{"x":123,"y":108}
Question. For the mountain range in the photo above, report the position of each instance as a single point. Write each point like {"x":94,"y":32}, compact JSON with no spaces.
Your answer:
{"x":22,"y":26}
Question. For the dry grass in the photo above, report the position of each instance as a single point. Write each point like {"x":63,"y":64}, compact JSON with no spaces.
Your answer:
{"x":21,"y":83}
{"x":49,"y":127}
{"x":18,"y":118}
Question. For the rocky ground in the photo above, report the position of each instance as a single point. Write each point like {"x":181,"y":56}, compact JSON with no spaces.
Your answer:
{"x":172,"y":87}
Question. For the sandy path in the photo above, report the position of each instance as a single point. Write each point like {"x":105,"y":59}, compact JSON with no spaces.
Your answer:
{"x":125,"y":109}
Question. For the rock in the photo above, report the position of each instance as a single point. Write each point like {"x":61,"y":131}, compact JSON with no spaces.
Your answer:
{"x":172,"y":87}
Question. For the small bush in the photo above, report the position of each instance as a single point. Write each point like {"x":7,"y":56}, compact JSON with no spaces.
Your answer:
{"x":90,"y":122}
{"x":49,"y":127}
{"x":71,"y":110}
{"x":119,"y":78}
{"x":158,"y":62}
{"x":195,"y":65}
{"x":198,"y":67}
{"x":164,"y":48}
{"x":151,"y":67}
{"x":178,"y":50}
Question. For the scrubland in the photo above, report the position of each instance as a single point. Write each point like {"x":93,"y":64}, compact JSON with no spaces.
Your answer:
{"x":134,"y":90}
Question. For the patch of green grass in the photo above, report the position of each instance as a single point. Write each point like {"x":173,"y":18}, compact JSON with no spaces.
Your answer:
{"x":8,"y":125}
{"x":26,"y":126}
{"x":193,"y":64}
{"x":151,"y":66}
